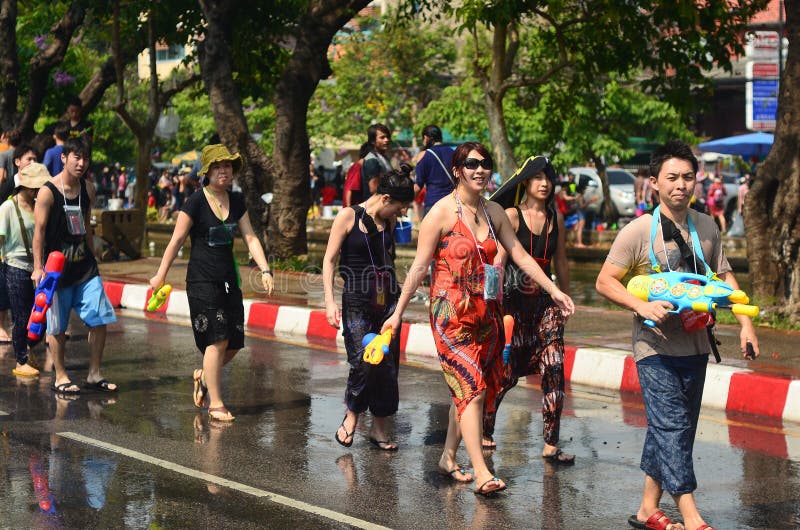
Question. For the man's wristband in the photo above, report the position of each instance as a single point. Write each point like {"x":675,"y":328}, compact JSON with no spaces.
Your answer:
{"x":266,"y":272}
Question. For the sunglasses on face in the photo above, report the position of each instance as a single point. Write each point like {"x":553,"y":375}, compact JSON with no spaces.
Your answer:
{"x":473,"y":163}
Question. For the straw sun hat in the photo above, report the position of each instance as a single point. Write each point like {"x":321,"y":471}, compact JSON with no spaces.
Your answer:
{"x":218,"y":153}
{"x":32,"y":176}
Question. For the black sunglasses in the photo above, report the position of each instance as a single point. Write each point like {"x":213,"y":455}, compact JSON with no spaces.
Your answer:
{"x":473,"y":163}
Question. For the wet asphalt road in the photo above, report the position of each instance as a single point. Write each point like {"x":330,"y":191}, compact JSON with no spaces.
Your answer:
{"x":147,"y":458}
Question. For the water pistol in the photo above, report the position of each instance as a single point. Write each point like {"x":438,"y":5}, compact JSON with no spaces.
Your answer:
{"x":508,"y":326}
{"x":376,"y":346}
{"x":685,"y":290}
{"x":43,"y":297}
{"x":159,"y":298}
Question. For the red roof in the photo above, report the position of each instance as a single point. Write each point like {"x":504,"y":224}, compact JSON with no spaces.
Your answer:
{"x":769,"y":15}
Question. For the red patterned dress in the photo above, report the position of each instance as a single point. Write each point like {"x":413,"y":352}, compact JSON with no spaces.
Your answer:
{"x":466,"y":328}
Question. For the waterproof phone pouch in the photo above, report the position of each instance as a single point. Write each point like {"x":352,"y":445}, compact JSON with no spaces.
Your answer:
{"x":542,"y":262}
{"x":221,"y":235}
{"x":74,"y":217}
{"x":491,"y":282}
{"x":380,"y":289}
{"x":695,"y":321}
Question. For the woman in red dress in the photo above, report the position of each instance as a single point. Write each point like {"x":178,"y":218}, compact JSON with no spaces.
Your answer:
{"x":461,"y":233}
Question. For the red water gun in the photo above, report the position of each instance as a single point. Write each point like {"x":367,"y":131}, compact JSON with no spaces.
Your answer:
{"x":43,"y":296}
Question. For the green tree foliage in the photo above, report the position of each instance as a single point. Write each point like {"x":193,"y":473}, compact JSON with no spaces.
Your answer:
{"x":387,"y":75}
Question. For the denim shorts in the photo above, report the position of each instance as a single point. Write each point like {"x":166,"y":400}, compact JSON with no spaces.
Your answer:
{"x":672,"y":388}
{"x":88,"y":299}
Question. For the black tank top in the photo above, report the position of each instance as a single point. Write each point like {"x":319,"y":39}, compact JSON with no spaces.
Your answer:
{"x":515,"y":278}
{"x":79,"y":263}
{"x":355,"y":265}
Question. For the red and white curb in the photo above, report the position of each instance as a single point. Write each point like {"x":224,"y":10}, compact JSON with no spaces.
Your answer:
{"x":727,"y":388}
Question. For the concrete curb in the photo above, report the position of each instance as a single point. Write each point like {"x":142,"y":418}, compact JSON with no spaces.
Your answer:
{"x":727,"y":388}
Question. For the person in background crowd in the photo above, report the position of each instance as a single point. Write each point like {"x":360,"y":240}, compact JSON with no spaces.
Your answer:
{"x":433,"y":170}
{"x":744,"y":187}
{"x":574,"y":218}
{"x":79,"y":127}
{"x":461,"y":233}
{"x":352,"y":185}
{"x":376,"y":162}
{"x":715,"y":200}
{"x":7,"y":166}
{"x":212,"y":277}
{"x":16,"y":233}
{"x":639,"y":191}
{"x":359,"y":236}
{"x":52,"y":157}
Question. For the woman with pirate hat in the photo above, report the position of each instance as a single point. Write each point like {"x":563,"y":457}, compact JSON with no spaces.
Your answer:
{"x":537,"y":345}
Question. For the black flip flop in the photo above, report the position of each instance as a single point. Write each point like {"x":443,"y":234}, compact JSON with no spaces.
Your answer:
{"x":377,"y":443}
{"x":346,"y":434}
{"x":99,"y":386}
{"x":489,"y":493}
{"x":62,"y":389}
{"x":561,"y":458}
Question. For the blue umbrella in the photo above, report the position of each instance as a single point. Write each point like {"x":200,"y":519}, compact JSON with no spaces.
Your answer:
{"x":744,"y":145}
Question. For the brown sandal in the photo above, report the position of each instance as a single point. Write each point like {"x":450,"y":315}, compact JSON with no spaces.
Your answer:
{"x":220,"y":414}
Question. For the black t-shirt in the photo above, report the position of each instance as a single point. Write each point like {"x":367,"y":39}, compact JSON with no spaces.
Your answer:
{"x":212,"y":261}
{"x":79,"y":263}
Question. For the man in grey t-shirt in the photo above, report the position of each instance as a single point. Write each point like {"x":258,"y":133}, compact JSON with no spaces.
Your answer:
{"x":670,"y":360}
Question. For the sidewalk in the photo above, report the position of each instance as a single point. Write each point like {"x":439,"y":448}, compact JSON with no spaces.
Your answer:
{"x":598,"y":340}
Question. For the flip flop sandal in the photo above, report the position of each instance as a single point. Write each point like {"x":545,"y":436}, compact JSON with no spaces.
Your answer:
{"x":560,"y":457}
{"x":62,"y":389}
{"x":451,"y":474}
{"x":490,"y":493}
{"x":100,"y":386}
{"x":346,"y":434}
{"x":380,"y":443}
{"x":224,"y":412}
{"x":657,"y":521}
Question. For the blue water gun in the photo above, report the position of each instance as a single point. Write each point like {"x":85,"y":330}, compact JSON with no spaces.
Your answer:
{"x":695,"y":292}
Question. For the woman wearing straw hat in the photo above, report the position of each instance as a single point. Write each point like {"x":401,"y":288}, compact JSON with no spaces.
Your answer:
{"x":537,"y":345}
{"x":212,"y":277}
{"x":16,"y":234}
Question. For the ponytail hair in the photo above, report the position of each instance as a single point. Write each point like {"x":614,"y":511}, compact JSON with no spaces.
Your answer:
{"x":397,"y":184}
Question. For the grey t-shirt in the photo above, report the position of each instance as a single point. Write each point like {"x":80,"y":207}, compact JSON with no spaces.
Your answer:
{"x":630,"y":251}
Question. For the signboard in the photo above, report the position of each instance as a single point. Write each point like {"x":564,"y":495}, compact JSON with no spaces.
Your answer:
{"x":761,"y":95}
{"x":762,"y":45}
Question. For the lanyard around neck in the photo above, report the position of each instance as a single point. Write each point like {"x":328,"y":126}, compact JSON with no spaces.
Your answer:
{"x":64,"y":194}
{"x":697,"y":249}
{"x":460,"y":206}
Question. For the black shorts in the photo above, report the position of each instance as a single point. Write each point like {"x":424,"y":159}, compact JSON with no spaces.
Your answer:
{"x":217,"y":314}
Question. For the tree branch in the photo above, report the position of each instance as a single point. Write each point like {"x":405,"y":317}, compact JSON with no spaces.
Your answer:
{"x":44,"y":61}
{"x":165,"y":95}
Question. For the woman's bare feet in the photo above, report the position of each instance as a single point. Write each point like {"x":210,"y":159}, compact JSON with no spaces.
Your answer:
{"x":457,"y":472}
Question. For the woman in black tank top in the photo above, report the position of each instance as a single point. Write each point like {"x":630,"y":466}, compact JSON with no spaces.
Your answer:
{"x":363,"y":240}
{"x":537,"y":345}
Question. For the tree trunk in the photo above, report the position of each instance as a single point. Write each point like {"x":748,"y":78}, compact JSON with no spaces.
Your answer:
{"x":503,"y":153}
{"x":307,"y":65}
{"x":9,"y":64}
{"x":772,"y":207}
{"x":226,"y":107}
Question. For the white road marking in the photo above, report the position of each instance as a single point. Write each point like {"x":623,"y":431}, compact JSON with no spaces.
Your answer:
{"x":244,"y":488}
